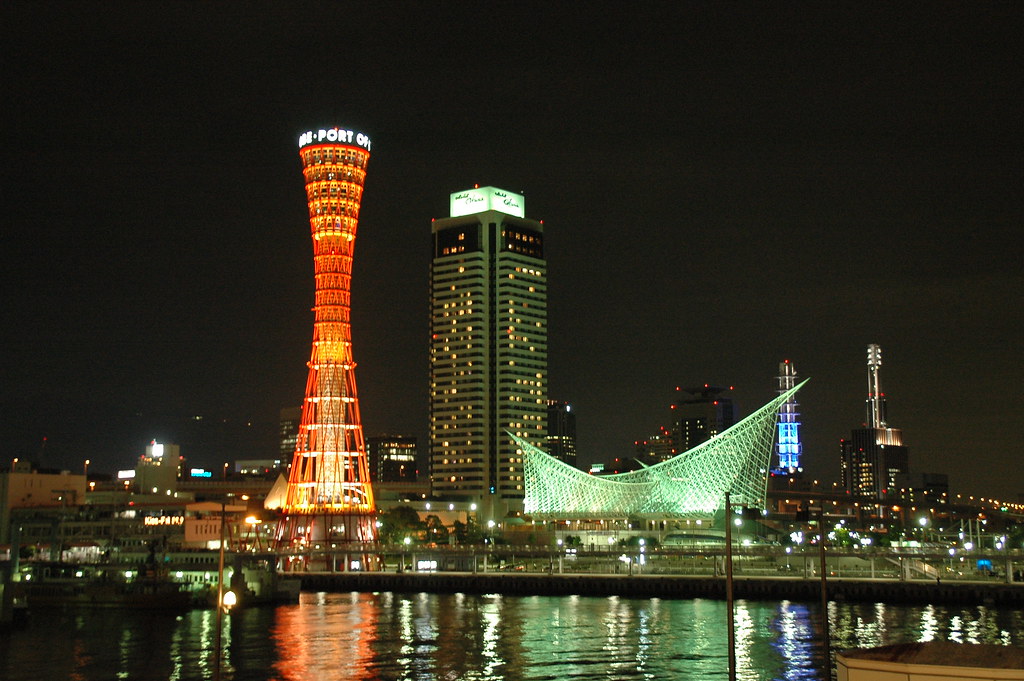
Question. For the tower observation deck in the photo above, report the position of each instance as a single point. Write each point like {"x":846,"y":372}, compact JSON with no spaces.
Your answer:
{"x":329,"y":495}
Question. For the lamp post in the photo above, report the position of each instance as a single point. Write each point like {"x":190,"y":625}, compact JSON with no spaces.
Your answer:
{"x":824,"y":587}
{"x":225,"y":600}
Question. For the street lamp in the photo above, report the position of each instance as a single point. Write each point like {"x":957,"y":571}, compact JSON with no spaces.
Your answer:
{"x":405,"y":545}
{"x":225,"y":599}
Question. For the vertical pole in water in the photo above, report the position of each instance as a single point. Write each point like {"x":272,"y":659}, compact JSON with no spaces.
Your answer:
{"x":730,"y":624}
{"x":824,"y":589}
{"x":220,"y":593}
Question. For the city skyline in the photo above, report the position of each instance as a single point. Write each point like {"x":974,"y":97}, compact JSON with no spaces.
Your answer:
{"x":721,"y":188}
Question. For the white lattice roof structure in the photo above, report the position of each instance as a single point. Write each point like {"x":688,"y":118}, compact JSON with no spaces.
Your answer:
{"x":693,"y":483}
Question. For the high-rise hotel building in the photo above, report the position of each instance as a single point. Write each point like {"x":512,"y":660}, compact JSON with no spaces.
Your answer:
{"x":488,"y":349}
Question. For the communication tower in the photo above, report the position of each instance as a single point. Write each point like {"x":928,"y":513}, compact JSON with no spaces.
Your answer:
{"x":329,"y":497}
{"x":787,"y":443}
{"x":876,"y":398}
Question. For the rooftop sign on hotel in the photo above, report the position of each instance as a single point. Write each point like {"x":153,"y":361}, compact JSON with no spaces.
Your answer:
{"x":479,"y":199}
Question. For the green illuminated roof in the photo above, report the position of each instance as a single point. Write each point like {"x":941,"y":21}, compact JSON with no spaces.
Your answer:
{"x":691,"y":484}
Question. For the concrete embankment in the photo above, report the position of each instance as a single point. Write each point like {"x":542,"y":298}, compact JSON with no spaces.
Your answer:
{"x":648,"y":586}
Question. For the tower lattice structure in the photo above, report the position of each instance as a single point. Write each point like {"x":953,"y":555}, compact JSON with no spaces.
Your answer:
{"x":329,"y":496}
{"x":787,"y":440}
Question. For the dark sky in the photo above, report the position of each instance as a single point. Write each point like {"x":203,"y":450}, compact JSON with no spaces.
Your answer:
{"x":723,"y":186}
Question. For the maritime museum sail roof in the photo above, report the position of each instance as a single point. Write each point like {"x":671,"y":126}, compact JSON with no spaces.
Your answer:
{"x":693,"y":483}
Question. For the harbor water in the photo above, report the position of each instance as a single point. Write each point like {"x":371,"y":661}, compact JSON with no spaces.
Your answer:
{"x":342,"y":636}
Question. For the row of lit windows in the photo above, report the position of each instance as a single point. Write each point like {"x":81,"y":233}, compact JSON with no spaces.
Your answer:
{"x":320,"y":173}
{"x":466,"y":478}
{"x":343,"y":155}
{"x":529,"y":238}
{"x":326,"y":189}
{"x":519,"y":398}
{"x":347,"y":210}
{"x":533,"y":348}
{"x":460,"y":462}
{"x":526,"y":250}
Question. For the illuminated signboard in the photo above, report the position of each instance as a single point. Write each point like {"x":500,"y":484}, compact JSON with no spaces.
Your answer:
{"x":479,"y":199}
{"x":334,"y":136}
{"x":164,"y":520}
{"x":126,"y":474}
{"x":200,"y":473}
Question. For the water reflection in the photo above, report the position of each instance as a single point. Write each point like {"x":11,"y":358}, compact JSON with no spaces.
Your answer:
{"x":794,"y":641}
{"x":484,"y":638}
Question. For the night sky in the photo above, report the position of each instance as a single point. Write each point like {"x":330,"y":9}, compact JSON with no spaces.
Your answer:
{"x":723,"y":186}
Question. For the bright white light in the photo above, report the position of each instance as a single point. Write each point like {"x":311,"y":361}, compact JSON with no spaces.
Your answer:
{"x":968,"y":545}
{"x":230,"y":599}
{"x":923,"y":521}
{"x":738,"y":522}
{"x":407,"y":541}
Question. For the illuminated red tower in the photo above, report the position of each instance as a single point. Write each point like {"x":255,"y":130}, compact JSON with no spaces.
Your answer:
{"x":329,"y":496}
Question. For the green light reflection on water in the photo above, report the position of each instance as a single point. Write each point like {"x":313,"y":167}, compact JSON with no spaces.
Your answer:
{"x":356,"y":636}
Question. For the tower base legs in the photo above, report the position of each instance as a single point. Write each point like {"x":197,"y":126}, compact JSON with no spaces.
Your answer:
{"x":327,"y":542}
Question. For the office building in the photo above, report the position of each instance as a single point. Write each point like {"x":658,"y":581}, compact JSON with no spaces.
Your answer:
{"x":699,"y":414}
{"x":488,"y":348}
{"x":288,"y":431}
{"x":392,"y":458}
{"x":157,"y":471}
{"x":561,"y":439}
{"x":655,"y":448}
{"x":874,"y":457}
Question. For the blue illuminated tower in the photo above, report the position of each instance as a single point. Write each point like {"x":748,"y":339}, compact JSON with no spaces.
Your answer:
{"x":787,"y":445}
